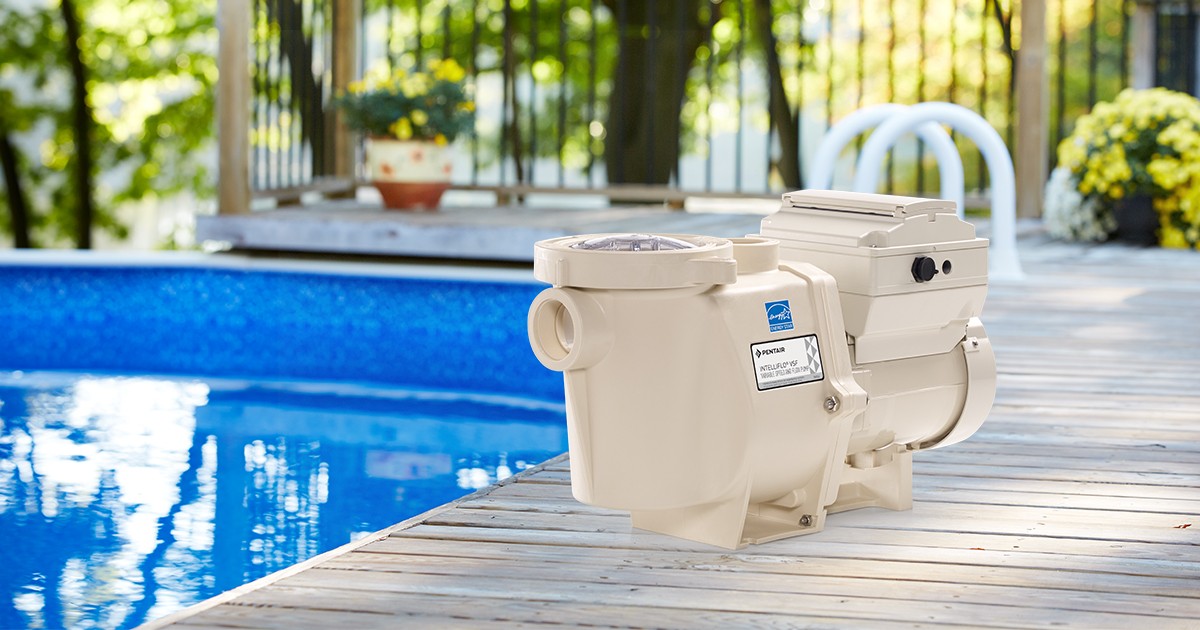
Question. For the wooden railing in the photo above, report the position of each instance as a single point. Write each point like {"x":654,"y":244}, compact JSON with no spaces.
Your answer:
{"x":281,"y":60}
{"x":758,"y":82}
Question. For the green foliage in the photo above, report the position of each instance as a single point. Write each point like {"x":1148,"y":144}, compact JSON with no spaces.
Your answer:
{"x":430,"y":104}
{"x":903,"y":51}
{"x":151,"y":77}
{"x":550,"y":41}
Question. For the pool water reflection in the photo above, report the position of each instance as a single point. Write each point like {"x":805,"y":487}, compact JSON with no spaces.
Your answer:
{"x":124,"y":498}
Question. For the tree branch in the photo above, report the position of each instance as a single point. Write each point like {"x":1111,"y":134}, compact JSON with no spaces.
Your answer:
{"x":1005,"y":21}
{"x":1006,"y":41}
{"x":82,"y":124}
{"x":18,"y":204}
{"x":786,"y":121}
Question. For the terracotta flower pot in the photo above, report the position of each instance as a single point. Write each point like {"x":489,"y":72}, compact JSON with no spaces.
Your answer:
{"x":410,"y":174}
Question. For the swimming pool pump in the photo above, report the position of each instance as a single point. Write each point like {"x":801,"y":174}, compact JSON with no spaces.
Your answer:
{"x":735,"y":391}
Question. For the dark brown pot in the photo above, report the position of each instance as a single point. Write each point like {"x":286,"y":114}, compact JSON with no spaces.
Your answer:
{"x":1137,"y":220}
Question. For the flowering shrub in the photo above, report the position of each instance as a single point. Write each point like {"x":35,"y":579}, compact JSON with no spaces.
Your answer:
{"x":1144,"y":142}
{"x":431,"y":104}
{"x":1069,"y":215}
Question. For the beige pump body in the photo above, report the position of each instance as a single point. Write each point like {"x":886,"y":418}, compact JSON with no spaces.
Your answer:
{"x":737,"y":391}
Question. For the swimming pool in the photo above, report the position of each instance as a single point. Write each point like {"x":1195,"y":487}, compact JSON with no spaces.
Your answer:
{"x":171,"y":429}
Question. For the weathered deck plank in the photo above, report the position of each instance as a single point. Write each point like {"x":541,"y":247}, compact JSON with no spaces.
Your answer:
{"x":472,"y":233}
{"x":1076,"y":505}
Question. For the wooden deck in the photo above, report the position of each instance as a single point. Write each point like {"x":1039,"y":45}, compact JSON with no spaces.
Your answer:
{"x":506,"y":233}
{"x":1076,"y":505}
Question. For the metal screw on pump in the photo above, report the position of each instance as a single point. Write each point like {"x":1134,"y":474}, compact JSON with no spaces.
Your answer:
{"x":832,"y":404}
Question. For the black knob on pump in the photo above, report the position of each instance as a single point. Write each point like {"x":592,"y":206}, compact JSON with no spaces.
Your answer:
{"x":924,"y":269}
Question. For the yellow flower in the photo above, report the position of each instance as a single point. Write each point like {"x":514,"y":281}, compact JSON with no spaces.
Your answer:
{"x":1166,"y":172}
{"x":375,"y":77}
{"x":1173,"y":237}
{"x":402,"y":128}
{"x":1188,"y":208}
{"x":447,"y":70}
{"x":1071,"y":154}
{"x":420,"y":103}
{"x":415,"y":85}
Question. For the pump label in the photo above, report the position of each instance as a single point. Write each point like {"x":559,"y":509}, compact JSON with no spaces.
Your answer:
{"x":786,"y":362}
{"x":779,"y":315}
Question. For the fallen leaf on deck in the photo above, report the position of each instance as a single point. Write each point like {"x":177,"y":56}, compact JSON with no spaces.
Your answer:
{"x":978,"y":549}
{"x":1184,"y":526}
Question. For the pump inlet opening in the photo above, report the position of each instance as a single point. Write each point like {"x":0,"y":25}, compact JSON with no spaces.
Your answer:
{"x":555,"y":329}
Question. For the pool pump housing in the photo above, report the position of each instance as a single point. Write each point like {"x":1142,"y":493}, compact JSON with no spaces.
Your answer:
{"x":736,"y":391}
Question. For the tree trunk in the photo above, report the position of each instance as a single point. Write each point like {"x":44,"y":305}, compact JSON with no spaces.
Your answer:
{"x":512,"y":127}
{"x":642,"y":133}
{"x":787,"y":123}
{"x":298,"y":49}
{"x":18,"y":204}
{"x":82,"y":123}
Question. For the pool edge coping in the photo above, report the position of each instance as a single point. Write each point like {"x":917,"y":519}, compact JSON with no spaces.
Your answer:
{"x":337,"y":552}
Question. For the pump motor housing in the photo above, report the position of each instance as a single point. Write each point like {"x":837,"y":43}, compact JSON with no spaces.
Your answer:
{"x":736,"y":391}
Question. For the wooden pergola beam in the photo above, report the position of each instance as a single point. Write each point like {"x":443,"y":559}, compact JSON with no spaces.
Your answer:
{"x":1032,"y":158}
{"x":233,"y":107}
{"x":347,"y":15}
{"x":1143,"y":26}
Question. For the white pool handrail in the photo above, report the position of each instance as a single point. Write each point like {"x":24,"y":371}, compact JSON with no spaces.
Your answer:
{"x":1003,"y":259}
{"x":950,"y":168}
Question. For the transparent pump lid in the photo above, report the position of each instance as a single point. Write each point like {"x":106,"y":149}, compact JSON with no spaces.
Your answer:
{"x":599,"y":261}
{"x":633,"y":243}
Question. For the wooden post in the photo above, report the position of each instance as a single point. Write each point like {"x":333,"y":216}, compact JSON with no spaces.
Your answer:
{"x":233,"y":107}
{"x":346,"y":18}
{"x":1032,"y":158}
{"x":1142,"y":31}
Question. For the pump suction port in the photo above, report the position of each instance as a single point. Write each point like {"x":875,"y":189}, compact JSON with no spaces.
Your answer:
{"x":568,"y":330}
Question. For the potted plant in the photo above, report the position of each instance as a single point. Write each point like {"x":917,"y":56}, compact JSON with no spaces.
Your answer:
{"x":409,"y":118}
{"x":1130,"y":169}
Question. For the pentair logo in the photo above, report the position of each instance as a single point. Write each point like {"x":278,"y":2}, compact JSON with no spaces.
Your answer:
{"x":759,"y":352}
{"x":779,"y":315}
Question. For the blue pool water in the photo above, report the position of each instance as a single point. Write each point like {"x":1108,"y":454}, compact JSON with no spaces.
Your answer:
{"x":169,"y":433}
